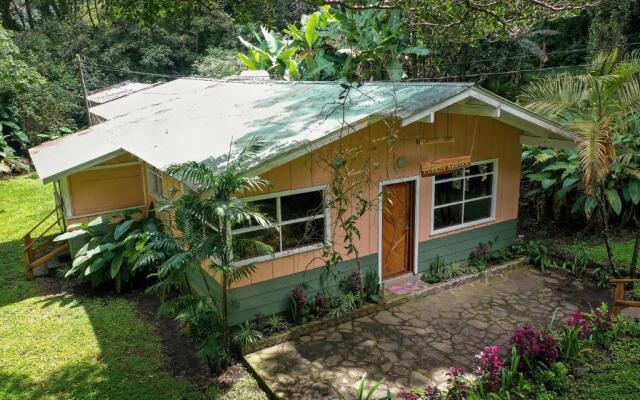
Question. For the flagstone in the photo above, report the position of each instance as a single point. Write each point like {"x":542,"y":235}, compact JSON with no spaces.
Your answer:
{"x":415,"y":343}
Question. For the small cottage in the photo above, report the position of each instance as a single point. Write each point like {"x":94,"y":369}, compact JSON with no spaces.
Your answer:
{"x":447,"y":155}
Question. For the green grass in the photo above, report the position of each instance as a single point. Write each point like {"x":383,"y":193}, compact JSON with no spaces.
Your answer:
{"x":594,"y":250}
{"x":75,"y":347}
{"x":616,"y":378}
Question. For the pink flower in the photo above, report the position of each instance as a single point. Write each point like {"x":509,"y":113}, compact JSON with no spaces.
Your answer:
{"x":579,"y":320}
{"x":491,"y":366}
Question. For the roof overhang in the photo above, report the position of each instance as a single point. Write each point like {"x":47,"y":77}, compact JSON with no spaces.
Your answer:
{"x":535,"y":129}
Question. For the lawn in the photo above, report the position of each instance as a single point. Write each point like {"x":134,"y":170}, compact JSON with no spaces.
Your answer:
{"x":617,"y":377}
{"x":55,"y":345}
{"x":594,"y":250}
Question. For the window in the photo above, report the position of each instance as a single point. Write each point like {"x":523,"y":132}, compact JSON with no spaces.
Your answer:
{"x":465,"y":197}
{"x":299,"y":223}
{"x":154,"y":182}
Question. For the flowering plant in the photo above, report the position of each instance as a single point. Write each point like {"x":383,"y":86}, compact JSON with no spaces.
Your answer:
{"x":354,"y":282}
{"x":320,"y":305}
{"x":534,"y":346}
{"x":298,"y":303}
{"x":459,"y":387}
{"x":491,"y":366}
{"x":579,"y":321}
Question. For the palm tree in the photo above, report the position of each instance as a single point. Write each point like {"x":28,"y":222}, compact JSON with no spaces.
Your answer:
{"x":596,"y":107}
{"x":200,"y":239}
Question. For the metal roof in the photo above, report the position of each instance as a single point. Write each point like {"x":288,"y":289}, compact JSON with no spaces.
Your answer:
{"x":116,"y":91}
{"x":201,"y":120}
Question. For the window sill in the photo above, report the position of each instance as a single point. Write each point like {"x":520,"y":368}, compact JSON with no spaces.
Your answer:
{"x":282,"y":254}
{"x":461,"y":227}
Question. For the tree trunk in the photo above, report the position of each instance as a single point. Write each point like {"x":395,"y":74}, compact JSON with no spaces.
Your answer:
{"x":634,"y":259}
{"x":27,"y":6}
{"x":7,"y":19}
{"x":605,"y":232}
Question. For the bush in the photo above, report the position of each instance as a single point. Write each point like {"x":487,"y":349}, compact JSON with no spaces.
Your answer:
{"x":556,"y":378}
{"x":115,"y":245}
{"x":534,"y":347}
{"x":491,"y":366}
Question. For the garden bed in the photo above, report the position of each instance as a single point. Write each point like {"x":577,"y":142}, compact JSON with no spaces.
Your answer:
{"x":372,"y":308}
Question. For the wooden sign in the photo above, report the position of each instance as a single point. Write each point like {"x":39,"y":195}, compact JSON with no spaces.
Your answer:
{"x":444,"y":165}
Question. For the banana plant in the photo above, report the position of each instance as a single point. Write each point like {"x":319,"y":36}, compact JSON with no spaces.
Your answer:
{"x":330,"y":44}
{"x":115,"y":243}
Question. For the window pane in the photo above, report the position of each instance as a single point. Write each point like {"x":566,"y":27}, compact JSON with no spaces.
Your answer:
{"x":267,"y":207}
{"x":449,"y":175}
{"x":302,"y":234}
{"x":301,"y":205}
{"x":448,"y":192}
{"x":478,"y":186}
{"x":477,"y":209}
{"x":479,"y":169}
{"x":447,"y":216}
{"x":267,"y":236}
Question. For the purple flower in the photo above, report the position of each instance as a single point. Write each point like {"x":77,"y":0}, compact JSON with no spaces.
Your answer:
{"x":579,"y":320}
{"x":354,"y":283}
{"x":534,"y":346}
{"x":404,"y":395}
{"x":491,"y":366}
{"x":454,"y":372}
{"x":299,"y":297}
{"x":321,"y":304}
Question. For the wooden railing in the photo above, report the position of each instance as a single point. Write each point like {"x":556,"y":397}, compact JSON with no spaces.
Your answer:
{"x":619,"y":302}
{"x":42,"y":249}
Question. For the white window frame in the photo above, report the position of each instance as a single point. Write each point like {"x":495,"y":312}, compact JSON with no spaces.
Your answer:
{"x":493,"y":197}
{"x":277,"y":224}
{"x":154,"y":173}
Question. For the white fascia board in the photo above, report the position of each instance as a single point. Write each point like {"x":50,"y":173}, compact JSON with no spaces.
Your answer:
{"x":519,"y":112}
{"x":434,"y":108}
{"x":79,"y":167}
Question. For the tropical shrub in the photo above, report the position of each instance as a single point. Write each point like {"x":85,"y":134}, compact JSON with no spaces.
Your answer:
{"x":246,"y":334}
{"x":491,"y":366}
{"x":555,"y":378}
{"x":115,"y":244}
{"x":275,"y":323}
{"x":12,"y":142}
{"x":372,"y":286}
{"x":354,"y":282}
{"x":299,"y":304}
{"x":201,"y":244}
{"x":534,"y":347}
{"x":332,"y":44}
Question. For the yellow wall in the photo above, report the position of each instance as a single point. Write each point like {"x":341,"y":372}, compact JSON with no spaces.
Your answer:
{"x":105,"y":188}
{"x":493,"y":140}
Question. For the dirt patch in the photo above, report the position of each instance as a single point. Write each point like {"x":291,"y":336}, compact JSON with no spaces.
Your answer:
{"x":180,"y":354}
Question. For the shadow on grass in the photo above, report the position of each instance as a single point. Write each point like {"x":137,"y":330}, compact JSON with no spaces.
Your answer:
{"x":99,"y":346}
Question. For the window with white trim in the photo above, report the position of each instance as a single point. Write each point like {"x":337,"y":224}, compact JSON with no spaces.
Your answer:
{"x":465,"y":197}
{"x":299,"y":223}
{"x":154,"y":182}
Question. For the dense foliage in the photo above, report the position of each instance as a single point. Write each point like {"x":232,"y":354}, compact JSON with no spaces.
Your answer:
{"x":198,"y":247}
{"x":113,"y":246}
{"x":353,"y":39}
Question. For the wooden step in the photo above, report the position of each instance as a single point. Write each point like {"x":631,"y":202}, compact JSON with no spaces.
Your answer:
{"x":49,"y":256}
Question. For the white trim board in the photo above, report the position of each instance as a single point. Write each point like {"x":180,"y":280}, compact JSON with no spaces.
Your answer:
{"x":416,"y":222}
{"x":464,"y":225}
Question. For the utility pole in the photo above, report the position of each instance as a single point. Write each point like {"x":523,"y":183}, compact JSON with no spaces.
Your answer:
{"x":84,"y":88}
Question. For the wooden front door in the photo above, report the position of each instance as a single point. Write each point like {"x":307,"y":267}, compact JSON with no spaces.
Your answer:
{"x":397,"y":228}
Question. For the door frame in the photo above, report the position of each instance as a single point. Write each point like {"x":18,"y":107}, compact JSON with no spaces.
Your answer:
{"x":416,"y":223}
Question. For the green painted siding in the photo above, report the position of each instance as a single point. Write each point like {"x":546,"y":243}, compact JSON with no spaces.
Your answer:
{"x":273,"y":296}
{"x":457,"y":247}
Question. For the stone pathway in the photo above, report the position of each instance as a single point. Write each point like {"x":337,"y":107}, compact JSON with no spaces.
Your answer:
{"x":414,"y":343}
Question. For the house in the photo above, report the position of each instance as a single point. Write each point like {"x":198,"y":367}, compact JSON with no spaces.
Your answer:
{"x":447,"y":154}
